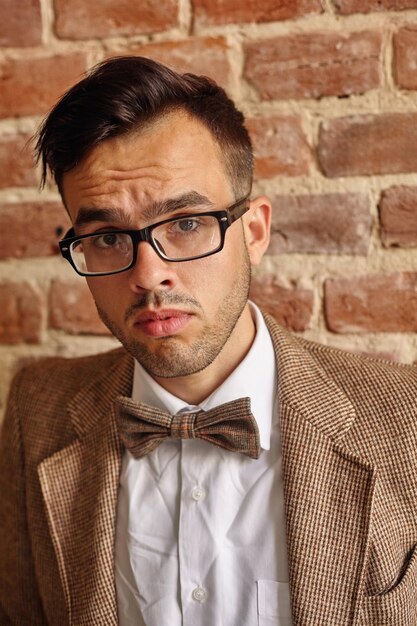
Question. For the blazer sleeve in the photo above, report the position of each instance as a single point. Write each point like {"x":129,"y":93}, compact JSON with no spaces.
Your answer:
{"x":20,"y":601}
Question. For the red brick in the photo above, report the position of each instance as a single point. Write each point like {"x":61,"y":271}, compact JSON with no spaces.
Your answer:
{"x":16,"y":163}
{"x":405,"y":54}
{"x":312,"y":65}
{"x":292,"y":307}
{"x":21,"y":313}
{"x":78,"y":19}
{"x":31,"y":229}
{"x":398,"y":216}
{"x":330,"y":223}
{"x":366,"y":6}
{"x":280,"y":146}
{"x":21,"y":23}
{"x":205,"y":55}
{"x":208,"y":12}
{"x":373,"y":303}
{"x":368,"y":144}
{"x":72,"y":308}
{"x":32,"y":86}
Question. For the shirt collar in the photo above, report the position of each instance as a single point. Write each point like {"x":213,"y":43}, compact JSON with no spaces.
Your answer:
{"x":260,"y":388}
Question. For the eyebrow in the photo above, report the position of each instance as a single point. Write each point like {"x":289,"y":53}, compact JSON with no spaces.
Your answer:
{"x":87,"y":215}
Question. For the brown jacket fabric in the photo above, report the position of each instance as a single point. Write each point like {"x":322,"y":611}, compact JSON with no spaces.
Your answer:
{"x":349,"y":443}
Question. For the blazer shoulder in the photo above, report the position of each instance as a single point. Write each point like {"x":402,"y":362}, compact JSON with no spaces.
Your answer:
{"x":347,"y":363}
{"x":340,"y":361}
{"x":382,"y":392}
{"x":42,"y":391}
{"x":59,"y":374}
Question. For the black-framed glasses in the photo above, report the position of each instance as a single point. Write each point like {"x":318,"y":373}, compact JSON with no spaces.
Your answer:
{"x":183,"y":238}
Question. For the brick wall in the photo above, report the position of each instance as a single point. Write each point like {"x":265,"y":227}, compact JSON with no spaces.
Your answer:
{"x":330,"y":92}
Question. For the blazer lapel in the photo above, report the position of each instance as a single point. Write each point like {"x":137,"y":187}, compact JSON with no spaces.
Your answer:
{"x":328,"y":489}
{"x":79,"y":485}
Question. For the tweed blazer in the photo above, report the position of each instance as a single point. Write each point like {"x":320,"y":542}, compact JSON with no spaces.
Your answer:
{"x":348,"y":434}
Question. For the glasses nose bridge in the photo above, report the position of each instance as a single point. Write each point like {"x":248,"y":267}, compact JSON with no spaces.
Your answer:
{"x":143,"y":235}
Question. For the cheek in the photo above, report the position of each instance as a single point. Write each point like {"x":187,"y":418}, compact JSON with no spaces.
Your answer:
{"x":212,"y":276}
{"x":106,"y":291}
{"x":205,"y":273}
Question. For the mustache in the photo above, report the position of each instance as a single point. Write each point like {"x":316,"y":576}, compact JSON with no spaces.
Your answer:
{"x":158,"y":299}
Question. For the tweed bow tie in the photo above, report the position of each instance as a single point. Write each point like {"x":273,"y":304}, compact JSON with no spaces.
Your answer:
{"x":230,"y":426}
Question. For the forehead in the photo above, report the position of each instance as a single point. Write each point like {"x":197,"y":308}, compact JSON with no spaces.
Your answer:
{"x":173,"y":155}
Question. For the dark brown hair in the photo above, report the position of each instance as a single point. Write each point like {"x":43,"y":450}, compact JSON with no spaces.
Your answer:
{"x":119,"y":95}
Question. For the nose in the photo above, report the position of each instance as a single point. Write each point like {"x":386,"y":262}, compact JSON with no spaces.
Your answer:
{"x":150,"y":272}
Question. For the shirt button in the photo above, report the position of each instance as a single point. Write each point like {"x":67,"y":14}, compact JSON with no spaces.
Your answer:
{"x":199,"y":594}
{"x":197,"y":493}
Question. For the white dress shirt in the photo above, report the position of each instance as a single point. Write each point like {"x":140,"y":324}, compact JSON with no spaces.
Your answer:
{"x":200,"y":536}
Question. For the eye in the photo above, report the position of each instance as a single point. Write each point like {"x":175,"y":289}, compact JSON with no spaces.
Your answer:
{"x":106,"y":240}
{"x":187,"y":225}
{"x":109,"y":243}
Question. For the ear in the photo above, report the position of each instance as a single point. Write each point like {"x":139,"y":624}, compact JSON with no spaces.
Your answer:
{"x":257,"y":226}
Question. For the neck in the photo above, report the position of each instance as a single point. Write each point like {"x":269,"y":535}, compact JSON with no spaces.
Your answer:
{"x":196,"y":387}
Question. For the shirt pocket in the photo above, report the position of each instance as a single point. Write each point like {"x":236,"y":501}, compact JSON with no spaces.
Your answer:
{"x":273,"y":603}
{"x":398,"y":605}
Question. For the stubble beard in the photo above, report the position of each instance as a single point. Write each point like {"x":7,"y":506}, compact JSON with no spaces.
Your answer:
{"x":174,"y":358}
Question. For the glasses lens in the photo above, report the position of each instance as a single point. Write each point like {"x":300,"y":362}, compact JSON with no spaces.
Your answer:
{"x":188,"y":237}
{"x":102,"y":253}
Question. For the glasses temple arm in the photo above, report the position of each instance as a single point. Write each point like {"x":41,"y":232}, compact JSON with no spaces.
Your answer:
{"x":70,"y":233}
{"x":238,"y":210}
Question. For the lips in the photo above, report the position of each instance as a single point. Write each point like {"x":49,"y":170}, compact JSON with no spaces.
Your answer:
{"x":163,"y":323}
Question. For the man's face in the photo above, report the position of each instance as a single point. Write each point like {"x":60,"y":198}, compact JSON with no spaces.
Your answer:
{"x":175,"y":318}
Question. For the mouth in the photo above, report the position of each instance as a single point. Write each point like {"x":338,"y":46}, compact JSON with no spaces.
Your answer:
{"x":162,"y":323}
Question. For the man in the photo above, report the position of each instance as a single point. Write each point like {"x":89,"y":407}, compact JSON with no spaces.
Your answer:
{"x":229,"y":473}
